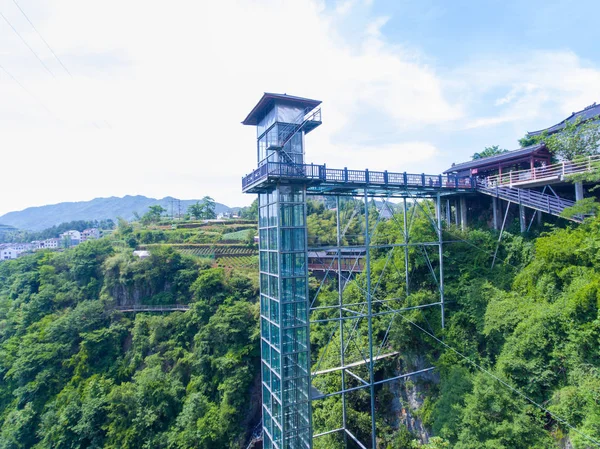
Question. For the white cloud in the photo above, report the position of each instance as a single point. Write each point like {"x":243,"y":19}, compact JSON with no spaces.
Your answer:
{"x":543,"y":87}
{"x":173,"y":81}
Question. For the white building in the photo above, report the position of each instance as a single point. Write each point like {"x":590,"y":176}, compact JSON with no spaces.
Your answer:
{"x":50,"y":243}
{"x":9,"y":253}
{"x":90,"y":234}
{"x":71,"y":238}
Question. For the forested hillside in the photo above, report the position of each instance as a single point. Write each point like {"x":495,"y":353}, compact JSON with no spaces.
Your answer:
{"x":78,"y":374}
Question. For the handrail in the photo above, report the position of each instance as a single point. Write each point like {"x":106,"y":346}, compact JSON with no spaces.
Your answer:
{"x":558,"y":170}
{"x":153,"y":307}
{"x":530,"y":198}
{"x":321,"y":173}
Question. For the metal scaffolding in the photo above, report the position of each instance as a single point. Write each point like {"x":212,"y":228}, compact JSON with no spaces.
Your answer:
{"x":369,"y":352}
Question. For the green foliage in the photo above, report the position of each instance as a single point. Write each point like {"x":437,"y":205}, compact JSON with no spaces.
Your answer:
{"x":576,"y":139}
{"x":153,"y":215}
{"x":77,"y":374}
{"x":489,"y":151}
{"x":204,"y":209}
{"x":250,"y":212}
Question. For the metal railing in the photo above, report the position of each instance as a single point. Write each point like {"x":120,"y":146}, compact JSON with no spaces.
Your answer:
{"x":554,"y":171}
{"x":323,"y":174}
{"x":533,"y":199}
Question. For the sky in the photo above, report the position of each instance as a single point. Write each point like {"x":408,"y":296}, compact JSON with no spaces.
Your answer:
{"x":146,"y":97}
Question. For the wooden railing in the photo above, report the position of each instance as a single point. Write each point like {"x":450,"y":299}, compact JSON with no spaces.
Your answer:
{"x":153,"y":308}
{"x":323,"y":174}
{"x":554,"y":171}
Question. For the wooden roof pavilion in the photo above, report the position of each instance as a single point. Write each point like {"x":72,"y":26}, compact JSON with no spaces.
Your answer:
{"x":530,"y":155}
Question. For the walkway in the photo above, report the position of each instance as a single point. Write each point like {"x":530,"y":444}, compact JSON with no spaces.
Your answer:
{"x":320,"y":175}
{"x":550,"y":204}
{"x":153,"y":308}
{"x":545,"y":175}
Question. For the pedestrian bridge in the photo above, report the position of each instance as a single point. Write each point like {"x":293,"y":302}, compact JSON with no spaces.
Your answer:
{"x":321,"y":179}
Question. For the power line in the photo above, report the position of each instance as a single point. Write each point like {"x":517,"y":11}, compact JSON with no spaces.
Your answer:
{"x":42,"y":38}
{"x":28,"y":46}
{"x":514,"y":390}
{"x":27,"y":90}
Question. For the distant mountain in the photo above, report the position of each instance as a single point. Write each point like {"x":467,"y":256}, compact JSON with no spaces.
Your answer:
{"x":5,"y":229}
{"x":39,"y":218}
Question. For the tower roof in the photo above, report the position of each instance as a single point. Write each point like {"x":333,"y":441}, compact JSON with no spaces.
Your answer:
{"x":589,"y":113}
{"x":267,"y":100}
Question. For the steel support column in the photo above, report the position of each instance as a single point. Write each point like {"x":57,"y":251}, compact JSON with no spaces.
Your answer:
{"x":341,"y":315}
{"x":370,"y":320}
{"x":406,"y":237}
{"x":441,"y":256}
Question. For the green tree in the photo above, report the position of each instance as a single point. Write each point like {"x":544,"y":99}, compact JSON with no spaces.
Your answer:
{"x":153,"y":215}
{"x":489,"y":151}
{"x":208,"y":208}
{"x":196,"y":210}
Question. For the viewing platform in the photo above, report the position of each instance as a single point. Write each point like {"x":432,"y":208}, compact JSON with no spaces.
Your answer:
{"x":321,"y":179}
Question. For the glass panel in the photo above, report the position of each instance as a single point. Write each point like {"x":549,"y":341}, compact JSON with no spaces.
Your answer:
{"x":263,"y":241}
{"x":275,"y":361}
{"x":264,"y":326}
{"x":295,"y":314}
{"x":274,"y":287}
{"x":274,"y":311}
{"x":264,"y":261}
{"x":272,"y":215}
{"x":264,"y":305}
{"x":263,"y":216}
{"x":273,"y":238}
{"x":273,"y":263}
{"x":274,"y":335}
{"x":266,"y":375}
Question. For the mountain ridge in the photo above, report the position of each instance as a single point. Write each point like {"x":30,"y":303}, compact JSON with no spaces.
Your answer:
{"x":37,"y":218}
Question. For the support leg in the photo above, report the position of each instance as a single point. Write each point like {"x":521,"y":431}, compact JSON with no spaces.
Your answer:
{"x":495,"y":211}
{"x":340,"y":304}
{"x":441,"y":256}
{"x":578,"y":191}
{"x":522,"y":218}
{"x":463,"y":213}
{"x":370,"y":321}
{"x":448,"y":213}
{"x":406,"y":237}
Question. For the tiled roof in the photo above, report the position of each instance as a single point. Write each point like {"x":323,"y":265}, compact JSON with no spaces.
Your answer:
{"x":592,"y":111}
{"x":504,"y":157}
{"x":267,"y":100}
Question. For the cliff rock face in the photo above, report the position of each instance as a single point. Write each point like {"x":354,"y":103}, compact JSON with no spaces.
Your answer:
{"x":408,"y":398}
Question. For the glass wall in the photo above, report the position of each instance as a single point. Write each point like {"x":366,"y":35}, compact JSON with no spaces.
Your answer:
{"x":275,"y":129}
{"x":284,"y":305}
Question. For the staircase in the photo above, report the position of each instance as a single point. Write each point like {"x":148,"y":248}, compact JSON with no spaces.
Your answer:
{"x":551,"y":204}
{"x":286,"y":133}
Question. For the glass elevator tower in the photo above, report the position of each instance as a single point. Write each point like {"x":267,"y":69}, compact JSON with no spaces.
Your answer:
{"x":281,"y":122}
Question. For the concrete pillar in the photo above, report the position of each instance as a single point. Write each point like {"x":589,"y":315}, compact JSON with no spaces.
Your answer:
{"x":522,"y":218}
{"x":456,"y":213}
{"x":463,"y":213}
{"x":448,"y":213}
{"x":539,"y":218}
{"x":496,"y":214}
{"x":578,"y":191}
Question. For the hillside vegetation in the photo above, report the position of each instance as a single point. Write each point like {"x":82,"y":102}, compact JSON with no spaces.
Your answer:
{"x":78,"y":374}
